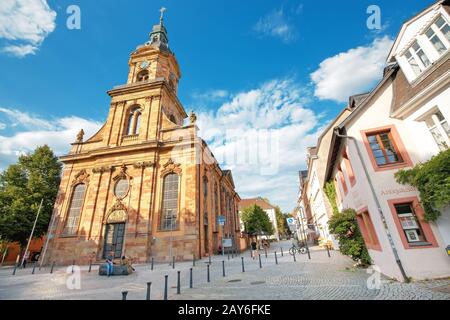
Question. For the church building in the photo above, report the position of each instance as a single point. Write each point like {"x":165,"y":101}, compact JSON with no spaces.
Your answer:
{"x":145,"y":185}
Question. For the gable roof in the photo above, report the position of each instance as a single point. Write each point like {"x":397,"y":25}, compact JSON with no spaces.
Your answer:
{"x":260,"y":202}
{"x":408,"y":23}
{"x":227,"y":174}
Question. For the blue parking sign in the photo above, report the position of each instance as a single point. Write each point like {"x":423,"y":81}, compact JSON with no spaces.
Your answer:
{"x":221,"y":220}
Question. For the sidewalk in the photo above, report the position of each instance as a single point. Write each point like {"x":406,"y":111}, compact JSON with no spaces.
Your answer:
{"x":319,"y":278}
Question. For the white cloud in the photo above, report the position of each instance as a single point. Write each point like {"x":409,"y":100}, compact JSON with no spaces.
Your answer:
{"x":24,"y":24}
{"x":215,"y":94}
{"x":276,"y":110}
{"x":20,"y":50}
{"x":57,"y":133}
{"x":276,"y":24}
{"x":351,"y":72}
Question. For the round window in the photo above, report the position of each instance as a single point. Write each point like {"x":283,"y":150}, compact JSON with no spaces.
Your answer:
{"x":121,"y":188}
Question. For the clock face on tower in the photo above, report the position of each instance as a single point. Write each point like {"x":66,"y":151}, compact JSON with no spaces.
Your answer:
{"x":144,"y":64}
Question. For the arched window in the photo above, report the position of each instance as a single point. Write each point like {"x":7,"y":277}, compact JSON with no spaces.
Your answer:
{"x":134,"y":122}
{"x":172,"y":118}
{"x":169,"y":217}
{"x":142,"y":76}
{"x":76,"y":204}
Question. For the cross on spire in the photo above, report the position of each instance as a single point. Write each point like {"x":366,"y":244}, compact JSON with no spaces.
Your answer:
{"x":162,"y":14}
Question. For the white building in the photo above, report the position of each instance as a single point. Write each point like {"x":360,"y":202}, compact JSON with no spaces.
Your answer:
{"x":403,"y":122}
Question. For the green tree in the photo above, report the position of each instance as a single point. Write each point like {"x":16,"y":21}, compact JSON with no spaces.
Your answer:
{"x":256,"y":220}
{"x":282,"y":225}
{"x":432,"y":179}
{"x":351,"y":242}
{"x":34,"y":177}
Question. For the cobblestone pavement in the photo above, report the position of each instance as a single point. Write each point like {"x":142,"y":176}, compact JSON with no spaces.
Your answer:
{"x":318,"y":278}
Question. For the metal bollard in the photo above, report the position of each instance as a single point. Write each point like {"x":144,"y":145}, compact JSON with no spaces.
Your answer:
{"x":276,"y":258}
{"x":15,"y":268}
{"x":209,"y":259}
{"x":34,"y":268}
{"x":223,"y":268}
{"x":243,"y":266}
{"x":309,"y":254}
{"x":178,"y":282}
{"x":260,"y":263}
{"x":165,"y":286}
{"x":149,"y":287}
{"x":295,"y":258}
{"x":153,"y":263}
{"x":53,"y":265}
{"x":191,"y":279}
{"x":124,"y":295}
{"x":328,"y":251}
{"x":208,"y":278}
{"x":173,"y":262}
{"x":265,"y":252}
{"x":73,"y":264}
{"x":90,"y":265}
{"x":282,"y":254}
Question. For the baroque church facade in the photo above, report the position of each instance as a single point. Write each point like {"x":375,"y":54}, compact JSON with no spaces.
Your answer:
{"x":145,"y":185}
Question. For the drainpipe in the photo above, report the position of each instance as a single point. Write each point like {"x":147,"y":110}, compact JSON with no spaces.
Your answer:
{"x":380,"y":211}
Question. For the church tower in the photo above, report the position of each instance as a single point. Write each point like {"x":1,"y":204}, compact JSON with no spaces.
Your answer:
{"x":145,"y":185}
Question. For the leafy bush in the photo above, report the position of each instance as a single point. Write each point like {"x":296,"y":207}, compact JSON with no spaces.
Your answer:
{"x":330,"y":191}
{"x":351,"y":242}
{"x":432,"y":179}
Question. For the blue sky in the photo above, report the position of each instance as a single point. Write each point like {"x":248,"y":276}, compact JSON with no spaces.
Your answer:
{"x":237,"y":59}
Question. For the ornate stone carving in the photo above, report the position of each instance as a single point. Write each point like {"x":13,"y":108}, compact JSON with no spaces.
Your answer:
{"x":118,"y":210}
{"x":122,"y":174}
{"x":171,"y":166}
{"x":81,"y":177}
{"x":143,"y":165}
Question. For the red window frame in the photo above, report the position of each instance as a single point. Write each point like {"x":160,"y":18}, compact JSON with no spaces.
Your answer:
{"x":342,"y":179}
{"x":349,"y":168}
{"x":368,"y":230}
{"x":419,"y":212}
{"x":405,"y":160}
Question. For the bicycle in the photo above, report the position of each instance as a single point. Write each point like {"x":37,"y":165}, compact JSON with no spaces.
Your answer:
{"x":298,"y":249}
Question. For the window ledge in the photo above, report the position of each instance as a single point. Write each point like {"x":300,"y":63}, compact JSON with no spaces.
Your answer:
{"x":420,"y":244}
{"x":393,"y":166}
{"x":68,"y":236}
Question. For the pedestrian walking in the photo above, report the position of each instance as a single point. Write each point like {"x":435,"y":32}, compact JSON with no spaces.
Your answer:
{"x":254,"y":246}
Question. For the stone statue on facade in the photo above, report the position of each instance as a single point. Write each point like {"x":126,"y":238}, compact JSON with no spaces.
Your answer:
{"x":193,"y":117}
{"x":80,"y":136}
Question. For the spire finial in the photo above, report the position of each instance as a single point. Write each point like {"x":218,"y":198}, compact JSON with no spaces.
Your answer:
{"x":162,"y":14}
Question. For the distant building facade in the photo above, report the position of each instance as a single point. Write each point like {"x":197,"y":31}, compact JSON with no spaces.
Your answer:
{"x":267,"y":207}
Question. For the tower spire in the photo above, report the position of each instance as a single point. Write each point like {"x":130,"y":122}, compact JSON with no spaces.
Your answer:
{"x":161,"y":18}
{"x":158,"y":36}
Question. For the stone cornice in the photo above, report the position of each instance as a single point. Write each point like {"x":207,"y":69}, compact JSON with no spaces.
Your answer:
{"x":122,"y":149}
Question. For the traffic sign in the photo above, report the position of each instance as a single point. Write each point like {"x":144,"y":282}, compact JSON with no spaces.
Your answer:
{"x":290,"y":221}
{"x":221,"y":220}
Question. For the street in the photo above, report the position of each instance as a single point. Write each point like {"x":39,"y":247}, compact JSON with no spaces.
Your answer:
{"x":319,"y":278}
